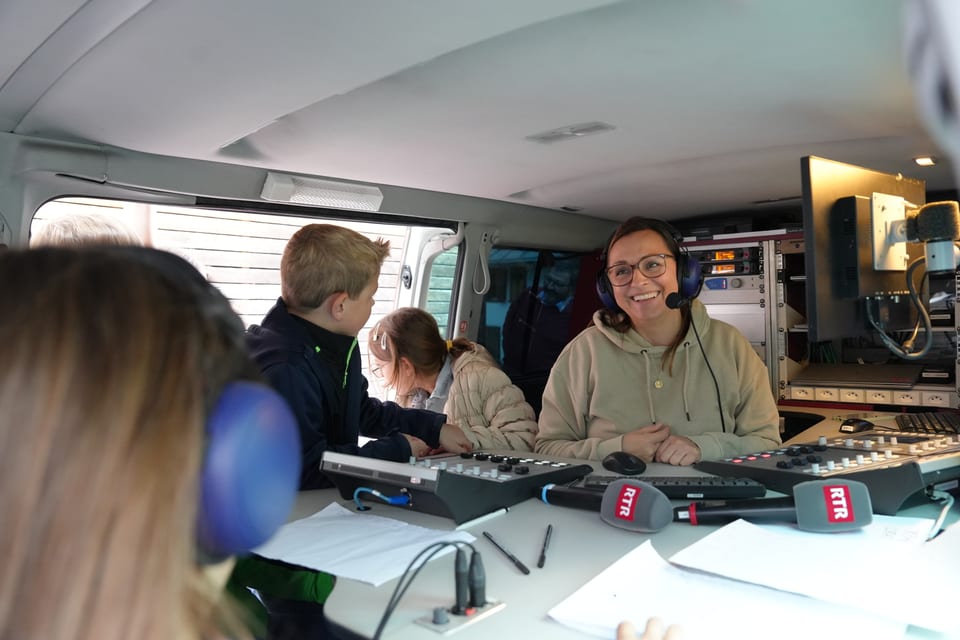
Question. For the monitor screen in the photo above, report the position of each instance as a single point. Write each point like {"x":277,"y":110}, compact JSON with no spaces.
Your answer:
{"x":839,"y":215}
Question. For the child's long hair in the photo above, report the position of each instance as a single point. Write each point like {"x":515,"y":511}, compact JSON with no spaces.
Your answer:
{"x":109,"y":370}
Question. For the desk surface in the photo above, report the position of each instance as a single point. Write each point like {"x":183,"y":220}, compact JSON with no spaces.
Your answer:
{"x":581,"y":546}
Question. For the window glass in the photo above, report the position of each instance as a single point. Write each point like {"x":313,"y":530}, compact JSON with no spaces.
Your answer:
{"x":239,"y":252}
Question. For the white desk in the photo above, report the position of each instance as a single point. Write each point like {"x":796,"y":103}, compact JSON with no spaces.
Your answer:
{"x":581,"y":547}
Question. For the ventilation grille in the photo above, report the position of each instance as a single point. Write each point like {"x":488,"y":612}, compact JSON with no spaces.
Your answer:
{"x":571,"y":132}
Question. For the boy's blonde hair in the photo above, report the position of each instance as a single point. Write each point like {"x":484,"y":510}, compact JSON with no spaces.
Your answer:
{"x":323,"y":259}
{"x":84,"y":228}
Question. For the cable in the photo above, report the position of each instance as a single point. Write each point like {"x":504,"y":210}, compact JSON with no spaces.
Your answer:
{"x":947,"y":501}
{"x":402,"y":499}
{"x":716,"y":385}
{"x":895,"y":348}
{"x":402,"y":586}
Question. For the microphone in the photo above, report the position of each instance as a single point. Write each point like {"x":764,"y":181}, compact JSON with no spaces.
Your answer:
{"x":626,"y":503}
{"x":675,"y":300}
{"x":822,"y":506}
{"x":937,"y":225}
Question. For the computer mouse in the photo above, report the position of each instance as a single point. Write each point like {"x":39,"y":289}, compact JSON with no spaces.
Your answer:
{"x":624,"y":463}
{"x":855,"y":425}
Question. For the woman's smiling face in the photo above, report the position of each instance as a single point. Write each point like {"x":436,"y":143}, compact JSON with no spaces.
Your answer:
{"x":643,"y":298}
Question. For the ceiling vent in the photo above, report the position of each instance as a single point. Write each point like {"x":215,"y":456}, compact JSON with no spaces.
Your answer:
{"x":571,"y":132}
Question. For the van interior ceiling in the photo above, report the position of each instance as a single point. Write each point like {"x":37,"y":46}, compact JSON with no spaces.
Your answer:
{"x":489,"y":141}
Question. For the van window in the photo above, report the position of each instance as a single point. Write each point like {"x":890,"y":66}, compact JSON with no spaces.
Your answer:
{"x":532,"y":310}
{"x":239,"y":252}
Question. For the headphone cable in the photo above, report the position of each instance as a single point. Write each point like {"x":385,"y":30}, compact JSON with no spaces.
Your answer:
{"x":716,"y":385}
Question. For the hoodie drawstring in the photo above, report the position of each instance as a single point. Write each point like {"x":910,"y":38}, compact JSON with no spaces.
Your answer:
{"x":646,"y":364}
{"x":686,"y":368}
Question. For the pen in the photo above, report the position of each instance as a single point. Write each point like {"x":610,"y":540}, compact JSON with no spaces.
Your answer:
{"x":546,"y":543}
{"x":512,"y":557}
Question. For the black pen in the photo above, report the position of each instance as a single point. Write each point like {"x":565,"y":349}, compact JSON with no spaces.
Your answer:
{"x":512,"y":557}
{"x":546,"y":543}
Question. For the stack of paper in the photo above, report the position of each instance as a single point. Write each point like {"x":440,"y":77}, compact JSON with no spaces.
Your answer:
{"x":354,"y":545}
{"x":746,"y":581}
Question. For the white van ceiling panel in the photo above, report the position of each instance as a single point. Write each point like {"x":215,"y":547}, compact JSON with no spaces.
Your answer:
{"x":712,"y":102}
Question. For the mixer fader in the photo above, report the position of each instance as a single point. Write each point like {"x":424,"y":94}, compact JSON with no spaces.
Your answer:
{"x":893,"y":465}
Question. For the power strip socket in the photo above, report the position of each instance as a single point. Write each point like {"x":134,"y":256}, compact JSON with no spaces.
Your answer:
{"x":457,"y":622}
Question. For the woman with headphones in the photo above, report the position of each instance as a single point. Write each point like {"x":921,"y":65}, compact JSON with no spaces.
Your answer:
{"x":137,"y":451}
{"x":655,"y":376}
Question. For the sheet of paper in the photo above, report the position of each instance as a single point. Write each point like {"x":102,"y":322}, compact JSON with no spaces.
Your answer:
{"x":884,"y":569}
{"x":642,"y":584}
{"x":359,"y":546}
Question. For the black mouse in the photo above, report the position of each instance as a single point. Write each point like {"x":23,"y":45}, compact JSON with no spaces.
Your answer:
{"x":624,"y":463}
{"x":855,"y":425}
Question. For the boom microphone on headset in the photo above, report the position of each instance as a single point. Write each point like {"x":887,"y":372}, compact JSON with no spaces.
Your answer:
{"x":675,"y":301}
{"x":822,"y":506}
{"x":628,"y":504}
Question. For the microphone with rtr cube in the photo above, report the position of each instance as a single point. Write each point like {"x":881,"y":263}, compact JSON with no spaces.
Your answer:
{"x":821,"y":506}
{"x":626,"y":503}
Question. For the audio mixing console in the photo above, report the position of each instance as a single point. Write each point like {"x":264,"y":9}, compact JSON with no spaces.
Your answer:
{"x":458,"y":486}
{"x":893,"y":464}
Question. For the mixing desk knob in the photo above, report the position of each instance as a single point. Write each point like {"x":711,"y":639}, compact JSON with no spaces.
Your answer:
{"x":880,"y":439}
{"x":888,"y":453}
{"x":442,"y":466}
{"x":493,"y":473}
{"x":459,"y":468}
{"x":831,"y":465}
{"x":894,"y":440}
{"x":859,"y":458}
{"x":874,"y":456}
{"x":413,"y":460}
{"x":868,"y":444}
{"x":822,"y":440}
{"x":815,"y":468}
{"x":476,"y":470}
{"x":848,"y":442}
{"x":913,"y":449}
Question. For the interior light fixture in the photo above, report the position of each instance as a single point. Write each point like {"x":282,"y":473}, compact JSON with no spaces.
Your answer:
{"x":925,"y":161}
{"x":281,"y":187}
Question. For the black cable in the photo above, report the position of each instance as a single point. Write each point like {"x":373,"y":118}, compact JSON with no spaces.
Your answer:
{"x":402,"y":587}
{"x":716,"y":384}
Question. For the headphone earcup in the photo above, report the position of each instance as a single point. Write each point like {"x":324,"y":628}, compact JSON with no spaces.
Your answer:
{"x":251,"y":470}
{"x":690,"y":276}
{"x":604,"y":292}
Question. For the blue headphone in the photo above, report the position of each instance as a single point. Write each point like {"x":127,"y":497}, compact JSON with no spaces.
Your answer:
{"x":251,"y":466}
{"x":689,"y":273}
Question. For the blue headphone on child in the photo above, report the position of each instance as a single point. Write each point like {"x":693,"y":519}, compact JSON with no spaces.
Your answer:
{"x":251,"y":467}
{"x":689,"y":273}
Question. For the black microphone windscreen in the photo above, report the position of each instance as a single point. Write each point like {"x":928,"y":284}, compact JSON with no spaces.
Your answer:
{"x":939,"y":221}
{"x":675,"y":301}
{"x":635,"y":505}
{"x":832,"y":505}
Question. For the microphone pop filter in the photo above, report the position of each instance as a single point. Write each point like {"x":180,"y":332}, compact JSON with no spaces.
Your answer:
{"x":635,"y":505}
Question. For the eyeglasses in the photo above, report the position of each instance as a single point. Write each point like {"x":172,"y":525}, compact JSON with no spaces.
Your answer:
{"x":652,"y":266}
{"x":377,"y":372}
